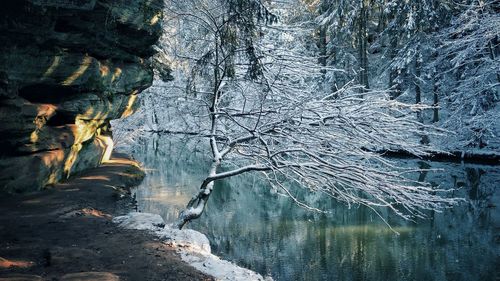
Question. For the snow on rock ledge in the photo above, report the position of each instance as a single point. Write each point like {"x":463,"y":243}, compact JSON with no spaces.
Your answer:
{"x":193,"y":246}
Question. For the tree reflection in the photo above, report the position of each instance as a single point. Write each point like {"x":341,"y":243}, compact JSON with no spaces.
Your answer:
{"x":263,"y":231}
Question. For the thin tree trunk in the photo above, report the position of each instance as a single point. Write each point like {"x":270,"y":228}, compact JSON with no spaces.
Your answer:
{"x":322,"y":53}
{"x":365,"y":49}
{"x":322,"y":47}
{"x":418,"y":90}
{"x":493,"y":55}
{"x":363,"y":46}
{"x":334,"y":85}
{"x":197,"y":204}
{"x":418,"y":93}
{"x":382,"y":20}
{"x":435,"y":117}
{"x":395,"y":87}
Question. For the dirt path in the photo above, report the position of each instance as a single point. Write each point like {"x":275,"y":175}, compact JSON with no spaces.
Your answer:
{"x":66,"y":233}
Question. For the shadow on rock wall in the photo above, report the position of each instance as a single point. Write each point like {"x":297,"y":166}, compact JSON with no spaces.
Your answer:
{"x":68,"y":67}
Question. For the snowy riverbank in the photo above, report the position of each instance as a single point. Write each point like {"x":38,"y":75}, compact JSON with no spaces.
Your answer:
{"x":192,"y":245}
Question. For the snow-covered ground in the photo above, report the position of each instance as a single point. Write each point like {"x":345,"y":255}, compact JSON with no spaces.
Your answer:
{"x":193,"y":247}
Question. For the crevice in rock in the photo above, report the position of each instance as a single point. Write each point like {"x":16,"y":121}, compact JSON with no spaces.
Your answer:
{"x":43,"y":93}
{"x":60,"y":119}
{"x":63,"y":25}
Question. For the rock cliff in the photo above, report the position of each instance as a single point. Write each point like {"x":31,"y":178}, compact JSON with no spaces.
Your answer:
{"x":67,"y":67}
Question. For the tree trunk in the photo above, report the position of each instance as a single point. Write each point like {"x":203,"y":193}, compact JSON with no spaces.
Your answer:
{"x":197,"y":204}
{"x":322,"y":53}
{"x":363,"y":46}
{"x":395,"y":87}
{"x":435,"y":117}
{"x":493,"y":55}
{"x":418,"y":90}
{"x":418,"y":93}
{"x":322,"y":47}
{"x":382,"y":20}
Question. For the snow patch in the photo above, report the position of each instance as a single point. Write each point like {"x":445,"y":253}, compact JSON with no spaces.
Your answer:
{"x":187,"y":238}
{"x":192,"y":245}
{"x":220,"y":269}
{"x":141,"y":221}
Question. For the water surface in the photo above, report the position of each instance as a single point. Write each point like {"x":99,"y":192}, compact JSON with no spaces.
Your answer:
{"x":251,"y":225}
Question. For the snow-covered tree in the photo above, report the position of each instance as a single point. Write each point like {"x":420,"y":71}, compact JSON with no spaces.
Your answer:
{"x":469,"y":69}
{"x":252,"y":91}
{"x":440,"y":53}
{"x":343,"y":38}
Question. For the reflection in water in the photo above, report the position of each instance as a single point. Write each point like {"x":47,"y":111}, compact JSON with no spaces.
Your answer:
{"x":249,"y":224}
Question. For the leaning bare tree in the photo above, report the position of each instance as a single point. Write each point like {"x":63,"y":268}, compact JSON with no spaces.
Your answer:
{"x":257,"y":101}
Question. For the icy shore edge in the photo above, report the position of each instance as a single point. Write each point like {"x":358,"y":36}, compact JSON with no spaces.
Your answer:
{"x":192,"y":245}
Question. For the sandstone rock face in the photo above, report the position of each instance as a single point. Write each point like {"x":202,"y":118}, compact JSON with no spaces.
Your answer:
{"x":68,"y":67}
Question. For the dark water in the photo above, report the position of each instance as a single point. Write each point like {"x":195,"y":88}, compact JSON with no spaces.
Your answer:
{"x":249,"y":224}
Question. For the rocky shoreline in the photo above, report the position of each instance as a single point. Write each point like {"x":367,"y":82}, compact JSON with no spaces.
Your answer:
{"x":67,"y":233}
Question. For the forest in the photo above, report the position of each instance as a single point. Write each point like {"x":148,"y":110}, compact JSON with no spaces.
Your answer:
{"x":315,"y":93}
{"x":320,"y":99}
{"x":438,"y":54}
{"x":249,"y":140}
{"x":355,"y":101}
